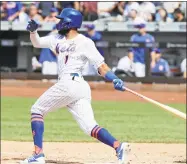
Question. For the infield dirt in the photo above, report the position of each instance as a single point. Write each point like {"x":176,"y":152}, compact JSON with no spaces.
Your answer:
{"x":95,"y":153}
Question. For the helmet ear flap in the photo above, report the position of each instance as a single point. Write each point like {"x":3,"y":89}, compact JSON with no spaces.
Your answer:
{"x":67,"y":25}
{"x":62,"y":25}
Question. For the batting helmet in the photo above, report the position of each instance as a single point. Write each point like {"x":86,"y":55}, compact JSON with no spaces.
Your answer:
{"x":69,"y":18}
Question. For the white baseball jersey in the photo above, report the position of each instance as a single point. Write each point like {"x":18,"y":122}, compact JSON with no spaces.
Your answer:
{"x":75,"y":94}
{"x":72,"y":54}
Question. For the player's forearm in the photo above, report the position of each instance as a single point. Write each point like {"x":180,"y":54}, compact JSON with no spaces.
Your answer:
{"x":106,"y":72}
{"x":103,"y":69}
{"x":131,"y":56}
{"x":14,"y":16}
{"x":37,"y":41}
{"x":153,"y":59}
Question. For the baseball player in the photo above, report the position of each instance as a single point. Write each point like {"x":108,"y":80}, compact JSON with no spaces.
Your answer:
{"x":158,"y":64}
{"x":94,"y":35}
{"x":73,"y":50}
{"x":139,"y":53}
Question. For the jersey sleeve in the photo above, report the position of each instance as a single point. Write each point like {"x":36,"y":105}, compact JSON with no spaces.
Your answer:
{"x":152,"y":38}
{"x":132,"y":39}
{"x":43,"y":42}
{"x":18,"y":6}
{"x":93,"y":54}
{"x":98,"y":36}
{"x":167,"y":66}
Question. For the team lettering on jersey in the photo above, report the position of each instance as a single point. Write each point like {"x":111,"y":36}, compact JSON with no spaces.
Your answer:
{"x":65,"y":48}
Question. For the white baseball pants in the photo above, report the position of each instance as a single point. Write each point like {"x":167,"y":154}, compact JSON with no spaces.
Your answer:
{"x":139,"y":69}
{"x":74,"y":94}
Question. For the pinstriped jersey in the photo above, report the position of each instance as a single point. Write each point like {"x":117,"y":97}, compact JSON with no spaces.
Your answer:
{"x":73,"y":54}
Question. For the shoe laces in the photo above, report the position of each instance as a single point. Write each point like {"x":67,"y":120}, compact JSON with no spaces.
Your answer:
{"x":31,"y":158}
{"x":118,"y":153}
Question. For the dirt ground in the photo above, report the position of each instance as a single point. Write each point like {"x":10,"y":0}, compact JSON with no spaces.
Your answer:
{"x":96,"y":153}
{"x":101,"y":91}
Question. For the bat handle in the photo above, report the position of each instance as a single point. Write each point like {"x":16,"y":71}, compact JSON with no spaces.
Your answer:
{"x":124,"y":88}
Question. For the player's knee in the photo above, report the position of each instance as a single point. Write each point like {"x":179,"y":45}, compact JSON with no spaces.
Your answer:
{"x":88,"y":130}
{"x":36,"y":110}
{"x":89,"y":127}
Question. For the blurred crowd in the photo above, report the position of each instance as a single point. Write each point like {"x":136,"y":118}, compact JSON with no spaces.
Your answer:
{"x":116,"y":11}
{"x":133,"y":63}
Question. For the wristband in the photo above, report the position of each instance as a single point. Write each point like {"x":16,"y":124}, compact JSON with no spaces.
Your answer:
{"x":110,"y":76}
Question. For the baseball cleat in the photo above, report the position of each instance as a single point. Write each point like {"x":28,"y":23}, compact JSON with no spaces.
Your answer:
{"x":121,"y":152}
{"x":34,"y":159}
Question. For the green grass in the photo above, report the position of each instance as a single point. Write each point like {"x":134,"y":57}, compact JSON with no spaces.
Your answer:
{"x":127,"y":121}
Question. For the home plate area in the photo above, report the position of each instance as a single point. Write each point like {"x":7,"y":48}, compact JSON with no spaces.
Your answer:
{"x":94,"y":153}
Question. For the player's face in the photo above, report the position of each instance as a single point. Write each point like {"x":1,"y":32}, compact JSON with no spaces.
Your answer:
{"x":142,"y":30}
{"x":54,"y":14}
{"x":33,"y":10}
{"x":63,"y":32}
{"x":91,"y":32}
{"x":157,"y":56}
{"x":133,"y":14}
{"x":61,"y":25}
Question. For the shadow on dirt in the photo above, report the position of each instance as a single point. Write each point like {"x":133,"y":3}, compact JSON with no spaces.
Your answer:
{"x":47,"y":161}
{"x":61,"y":162}
{"x":182,"y":161}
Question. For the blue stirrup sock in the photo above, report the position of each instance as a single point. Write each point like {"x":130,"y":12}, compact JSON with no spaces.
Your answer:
{"x":105,"y":137}
{"x":37,"y":126}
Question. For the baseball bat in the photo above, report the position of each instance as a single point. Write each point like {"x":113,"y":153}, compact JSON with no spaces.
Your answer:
{"x":165,"y":107}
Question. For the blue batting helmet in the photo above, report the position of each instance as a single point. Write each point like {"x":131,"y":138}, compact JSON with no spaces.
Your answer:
{"x":69,"y":18}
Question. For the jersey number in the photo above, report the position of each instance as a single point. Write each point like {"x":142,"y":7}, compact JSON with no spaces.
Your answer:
{"x":66,"y":59}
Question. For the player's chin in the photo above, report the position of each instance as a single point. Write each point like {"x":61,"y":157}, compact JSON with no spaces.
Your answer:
{"x":63,"y":31}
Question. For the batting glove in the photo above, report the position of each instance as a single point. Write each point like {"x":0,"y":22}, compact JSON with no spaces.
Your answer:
{"x":118,"y":84}
{"x":32,"y":26}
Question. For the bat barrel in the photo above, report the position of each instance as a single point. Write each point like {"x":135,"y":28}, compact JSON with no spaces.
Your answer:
{"x":165,"y":107}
